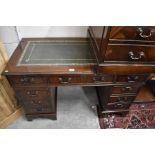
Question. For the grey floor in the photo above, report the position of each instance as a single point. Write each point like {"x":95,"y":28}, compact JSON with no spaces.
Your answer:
{"x":74,"y":111}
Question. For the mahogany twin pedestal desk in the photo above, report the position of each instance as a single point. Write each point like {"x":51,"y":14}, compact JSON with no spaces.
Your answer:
{"x":116,"y":60}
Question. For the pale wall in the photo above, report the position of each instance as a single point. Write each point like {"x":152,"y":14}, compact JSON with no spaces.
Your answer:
{"x":11,"y":35}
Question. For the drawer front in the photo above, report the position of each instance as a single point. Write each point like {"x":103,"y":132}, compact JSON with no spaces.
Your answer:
{"x":62,"y":80}
{"x":130,"y":53}
{"x":119,"y":102}
{"x":38,"y":110}
{"x":26,"y":80}
{"x":131,"y":78}
{"x":36,"y":106}
{"x":32,"y":93}
{"x":128,"y":89}
{"x":145,"y":33}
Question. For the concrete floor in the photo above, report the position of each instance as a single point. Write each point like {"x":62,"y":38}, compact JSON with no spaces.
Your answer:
{"x":74,"y":111}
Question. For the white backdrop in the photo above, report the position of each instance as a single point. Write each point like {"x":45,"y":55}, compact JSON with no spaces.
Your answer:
{"x":11,"y":35}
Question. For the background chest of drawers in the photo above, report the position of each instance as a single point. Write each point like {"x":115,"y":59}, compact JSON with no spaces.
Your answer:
{"x":129,"y":53}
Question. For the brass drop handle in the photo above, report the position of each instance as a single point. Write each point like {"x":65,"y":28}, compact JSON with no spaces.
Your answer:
{"x":134,"y":56}
{"x":32,"y":93}
{"x":62,"y":81}
{"x":119,"y":105}
{"x":127,"y":89}
{"x":35,"y":102}
{"x":98,"y":79}
{"x":133,"y":78}
{"x":141,"y":33}
{"x":122,"y":99}
{"x":26,"y":80}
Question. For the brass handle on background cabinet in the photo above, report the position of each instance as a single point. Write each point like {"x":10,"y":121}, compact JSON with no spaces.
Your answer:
{"x":62,"y":81}
{"x":141,"y":33}
{"x":134,"y":56}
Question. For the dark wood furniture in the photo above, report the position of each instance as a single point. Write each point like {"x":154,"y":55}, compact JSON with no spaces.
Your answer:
{"x":116,"y":60}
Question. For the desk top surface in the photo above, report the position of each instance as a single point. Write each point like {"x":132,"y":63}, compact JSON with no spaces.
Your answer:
{"x":52,"y":56}
{"x":57,"y":52}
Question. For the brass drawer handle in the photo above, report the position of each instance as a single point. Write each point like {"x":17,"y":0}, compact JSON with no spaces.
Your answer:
{"x":98,"y":79}
{"x":127,"y":89}
{"x":138,"y":56}
{"x":119,"y":105}
{"x":25,"y":80}
{"x":133,"y":78}
{"x":62,"y":81}
{"x":30,"y":93}
{"x":141,"y":33}
{"x":35,"y":102}
{"x":122,"y":99}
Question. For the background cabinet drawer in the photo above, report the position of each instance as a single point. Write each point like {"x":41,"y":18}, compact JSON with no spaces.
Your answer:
{"x":131,"y":78}
{"x":26,"y":80}
{"x":130,"y":53}
{"x":133,"y":33}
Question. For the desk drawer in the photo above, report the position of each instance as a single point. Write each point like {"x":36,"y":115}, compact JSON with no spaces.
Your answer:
{"x":130,"y":53}
{"x":127,"y":89}
{"x":119,"y":102}
{"x":145,"y":33}
{"x":83,"y":79}
{"x":131,"y":78}
{"x":32,"y":93}
{"x":38,"y":110}
{"x":27,"y":80}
